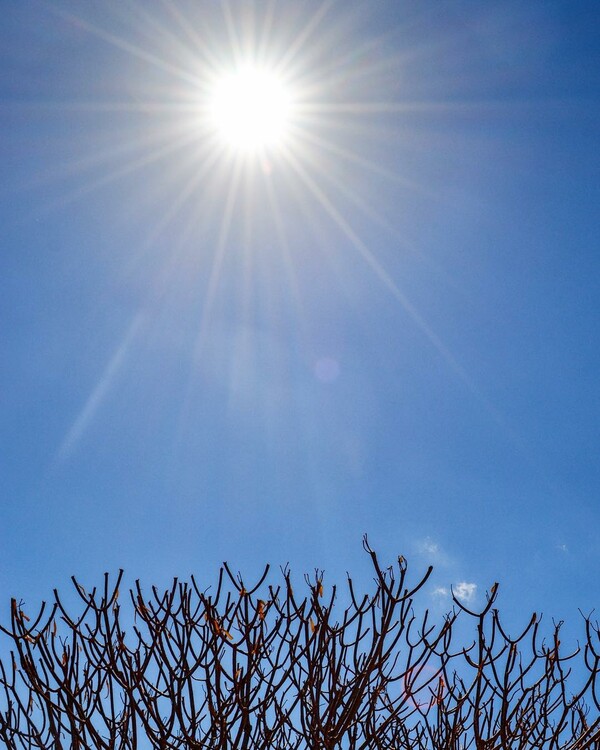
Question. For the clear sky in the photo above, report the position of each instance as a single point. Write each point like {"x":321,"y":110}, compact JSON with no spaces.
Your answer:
{"x":384,"y":322}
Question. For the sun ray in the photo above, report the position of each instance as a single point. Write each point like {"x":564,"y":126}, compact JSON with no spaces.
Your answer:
{"x":234,"y":40}
{"x":358,"y":200}
{"x":265,"y":40}
{"x":163,"y":221}
{"x":343,"y":67}
{"x":305,"y":33}
{"x":98,"y":393}
{"x":370,"y":165}
{"x":284,"y":245}
{"x":183,"y":24}
{"x":389,"y":283}
{"x":145,"y":160}
{"x":196,"y":359}
{"x":143,"y":143}
{"x":218,"y":257}
{"x":126,"y":46}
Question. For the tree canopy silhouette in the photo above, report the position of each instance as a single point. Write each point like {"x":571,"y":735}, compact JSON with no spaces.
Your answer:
{"x":262,"y":666}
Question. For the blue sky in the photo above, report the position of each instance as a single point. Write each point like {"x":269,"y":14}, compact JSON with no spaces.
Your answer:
{"x":390,"y":327}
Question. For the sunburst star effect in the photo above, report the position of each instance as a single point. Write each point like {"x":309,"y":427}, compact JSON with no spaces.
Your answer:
{"x":246,"y":114}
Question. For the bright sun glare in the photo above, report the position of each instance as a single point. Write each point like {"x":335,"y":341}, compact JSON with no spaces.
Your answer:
{"x":250,"y":109}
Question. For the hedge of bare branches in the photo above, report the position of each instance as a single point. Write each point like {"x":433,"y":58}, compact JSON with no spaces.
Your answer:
{"x":242,"y":667}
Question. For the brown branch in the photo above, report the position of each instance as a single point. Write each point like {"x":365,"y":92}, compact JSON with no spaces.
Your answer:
{"x":257,"y":667}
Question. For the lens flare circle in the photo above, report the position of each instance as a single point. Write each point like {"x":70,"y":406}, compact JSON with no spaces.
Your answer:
{"x":250,"y":109}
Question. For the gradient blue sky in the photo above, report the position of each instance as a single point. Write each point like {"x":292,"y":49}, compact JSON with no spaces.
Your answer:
{"x":393,"y":329}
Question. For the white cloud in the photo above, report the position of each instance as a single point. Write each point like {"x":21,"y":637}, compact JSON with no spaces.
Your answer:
{"x":433,"y":552}
{"x":429,"y":547}
{"x":465,"y":591}
{"x":440,"y":591}
{"x":562,"y":547}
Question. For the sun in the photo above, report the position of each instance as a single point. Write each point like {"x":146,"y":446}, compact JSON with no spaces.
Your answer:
{"x":250,"y":109}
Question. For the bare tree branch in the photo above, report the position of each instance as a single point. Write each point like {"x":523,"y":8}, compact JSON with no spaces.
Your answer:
{"x":256,"y":667}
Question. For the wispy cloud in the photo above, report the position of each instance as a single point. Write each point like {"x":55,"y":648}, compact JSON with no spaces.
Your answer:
{"x":465,"y":591}
{"x":462,"y":590}
{"x":428,"y":546}
{"x":436,"y":555}
{"x":433,"y":552}
{"x":562,"y":547}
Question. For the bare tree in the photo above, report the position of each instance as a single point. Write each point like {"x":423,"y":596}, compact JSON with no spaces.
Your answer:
{"x":261,"y":667}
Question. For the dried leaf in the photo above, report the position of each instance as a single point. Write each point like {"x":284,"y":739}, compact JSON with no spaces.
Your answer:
{"x":320,"y":589}
{"x":64,"y":659}
{"x":54,"y":629}
{"x":313,"y":627}
{"x":440,"y":693}
{"x":23,"y":615}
